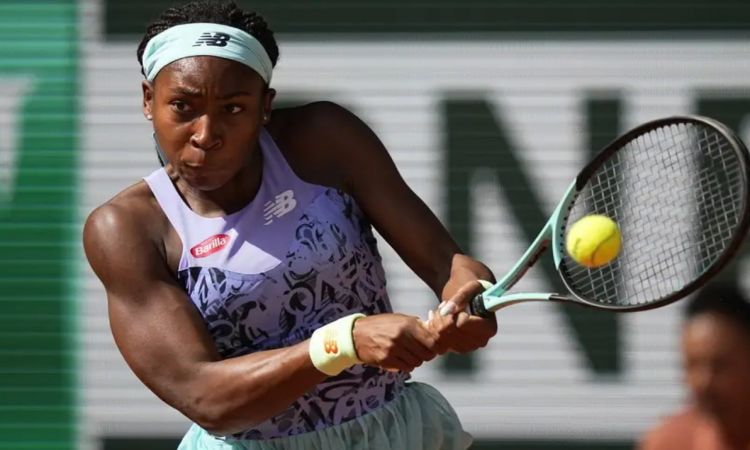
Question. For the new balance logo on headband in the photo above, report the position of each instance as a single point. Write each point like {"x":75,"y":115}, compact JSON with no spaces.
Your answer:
{"x":215,"y":39}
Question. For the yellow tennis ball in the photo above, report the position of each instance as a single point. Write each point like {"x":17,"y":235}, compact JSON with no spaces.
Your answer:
{"x":593,"y":241}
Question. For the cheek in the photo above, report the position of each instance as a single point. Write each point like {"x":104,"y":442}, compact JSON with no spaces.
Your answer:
{"x":172,"y":137}
{"x":693,"y":379}
{"x":241,"y":132}
{"x":734,"y":380}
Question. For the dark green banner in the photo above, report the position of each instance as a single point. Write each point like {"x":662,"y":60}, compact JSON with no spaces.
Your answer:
{"x":38,"y":241}
{"x":126,"y":19}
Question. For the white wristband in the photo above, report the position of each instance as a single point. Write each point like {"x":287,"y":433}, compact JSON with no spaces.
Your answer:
{"x":332,"y":346}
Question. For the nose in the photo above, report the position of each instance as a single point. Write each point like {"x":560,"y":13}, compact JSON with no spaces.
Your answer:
{"x":206,"y":133}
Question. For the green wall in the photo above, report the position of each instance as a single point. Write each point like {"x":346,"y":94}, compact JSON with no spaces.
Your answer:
{"x":38,"y":244}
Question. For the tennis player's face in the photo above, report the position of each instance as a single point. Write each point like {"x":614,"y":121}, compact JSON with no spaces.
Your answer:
{"x":207,"y":114}
{"x":716,"y":354}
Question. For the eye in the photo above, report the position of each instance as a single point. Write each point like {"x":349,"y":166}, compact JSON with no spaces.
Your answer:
{"x":179,"y":106}
{"x":234,"y":109}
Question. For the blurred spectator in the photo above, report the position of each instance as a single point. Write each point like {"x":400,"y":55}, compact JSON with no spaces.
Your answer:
{"x":716,"y":362}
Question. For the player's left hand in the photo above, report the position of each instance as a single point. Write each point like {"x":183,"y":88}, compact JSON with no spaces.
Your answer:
{"x":458,"y":330}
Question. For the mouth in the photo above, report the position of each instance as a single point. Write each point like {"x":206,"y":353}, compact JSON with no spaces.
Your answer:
{"x":194,"y":172}
{"x":195,"y":169}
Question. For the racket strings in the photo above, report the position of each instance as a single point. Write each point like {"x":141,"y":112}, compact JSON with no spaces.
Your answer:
{"x":677,"y":194}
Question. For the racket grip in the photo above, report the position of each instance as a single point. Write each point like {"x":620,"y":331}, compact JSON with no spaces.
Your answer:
{"x":476,"y":306}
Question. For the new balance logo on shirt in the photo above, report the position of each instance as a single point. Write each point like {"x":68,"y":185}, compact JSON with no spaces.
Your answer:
{"x":280,"y":205}
{"x":215,"y":39}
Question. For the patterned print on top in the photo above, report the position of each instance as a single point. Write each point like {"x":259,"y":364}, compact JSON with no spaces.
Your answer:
{"x":332,"y":269}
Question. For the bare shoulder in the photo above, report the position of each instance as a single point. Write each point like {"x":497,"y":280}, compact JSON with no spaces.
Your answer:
{"x":673,"y":432}
{"x":312,"y":118}
{"x":322,"y":140}
{"x":129,"y":222}
{"x":135,"y":205}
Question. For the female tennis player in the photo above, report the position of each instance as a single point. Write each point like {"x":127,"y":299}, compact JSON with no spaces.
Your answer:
{"x":244,"y":284}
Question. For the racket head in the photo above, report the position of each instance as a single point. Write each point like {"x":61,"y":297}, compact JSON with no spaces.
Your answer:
{"x":664,"y":183}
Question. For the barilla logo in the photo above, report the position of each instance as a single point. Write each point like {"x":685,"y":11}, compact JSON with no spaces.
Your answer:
{"x":210,"y":246}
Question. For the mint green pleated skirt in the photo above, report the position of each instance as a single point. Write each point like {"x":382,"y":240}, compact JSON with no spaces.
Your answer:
{"x":419,"y":419}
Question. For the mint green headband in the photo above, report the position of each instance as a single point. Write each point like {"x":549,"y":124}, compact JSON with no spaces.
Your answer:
{"x":205,"y":39}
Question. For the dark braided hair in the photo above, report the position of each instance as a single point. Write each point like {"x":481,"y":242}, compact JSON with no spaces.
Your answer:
{"x":212,"y":11}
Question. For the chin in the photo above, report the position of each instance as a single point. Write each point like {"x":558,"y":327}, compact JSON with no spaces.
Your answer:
{"x":203,"y":180}
{"x":205,"y":184}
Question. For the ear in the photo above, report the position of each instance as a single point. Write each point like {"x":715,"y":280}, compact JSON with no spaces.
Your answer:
{"x":267,"y":104}
{"x":148,"y":99}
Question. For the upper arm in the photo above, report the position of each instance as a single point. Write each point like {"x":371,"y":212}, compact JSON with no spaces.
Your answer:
{"x":367,"y":172}
{"x":154,"y":325}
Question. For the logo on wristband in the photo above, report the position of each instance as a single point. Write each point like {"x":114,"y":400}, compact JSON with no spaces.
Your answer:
{"x":330,"y":345}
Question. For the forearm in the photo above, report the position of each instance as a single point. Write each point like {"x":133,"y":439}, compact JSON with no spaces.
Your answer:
{"x":237,"y":393}
{"x":463,"y":269}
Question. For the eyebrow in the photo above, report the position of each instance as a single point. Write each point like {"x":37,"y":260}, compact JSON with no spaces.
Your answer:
{"x":188,"y":92}
{"x":235,"y":94}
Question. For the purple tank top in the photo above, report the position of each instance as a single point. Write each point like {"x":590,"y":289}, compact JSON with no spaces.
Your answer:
{"x":297,"y":257}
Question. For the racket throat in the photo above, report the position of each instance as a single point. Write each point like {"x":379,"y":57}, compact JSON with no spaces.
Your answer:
{"x":539,"y":246}
{"x":491,"y":303}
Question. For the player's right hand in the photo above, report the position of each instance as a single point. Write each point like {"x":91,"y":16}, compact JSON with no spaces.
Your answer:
{"x":393,"y":341}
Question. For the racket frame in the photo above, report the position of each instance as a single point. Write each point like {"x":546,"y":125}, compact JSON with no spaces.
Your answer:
{"x":496,"y":297}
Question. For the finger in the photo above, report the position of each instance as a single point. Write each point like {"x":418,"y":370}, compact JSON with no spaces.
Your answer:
{"x":462,"y":297}
{"x":435,"y":337}
{"x":394,"y":364}
{"x":476,"y":325}
{"x":448,"y":340}
{"x":398,"y":360}
{"x":468,"y":333}
{"x":462,"y":320}
{"x":412,"y":350}
{"x":441,"y":348}
{"x":405,"y":361}
{"x":463,"y":349}
{"x":447,"y":308}
{"x":445,"y":329}
{"x":421,"y":342}
{"x":442,"y":322}
{"x":429,"y":323}
{"x":477,"y":331}
{"x":438,"y":320}
{"x":414,"y":346}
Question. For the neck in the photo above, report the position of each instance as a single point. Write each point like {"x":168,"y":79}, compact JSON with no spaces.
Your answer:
{"x":735,"y":432}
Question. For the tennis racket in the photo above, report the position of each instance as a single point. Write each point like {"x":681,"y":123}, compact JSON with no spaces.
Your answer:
{"x":678,"y":189}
